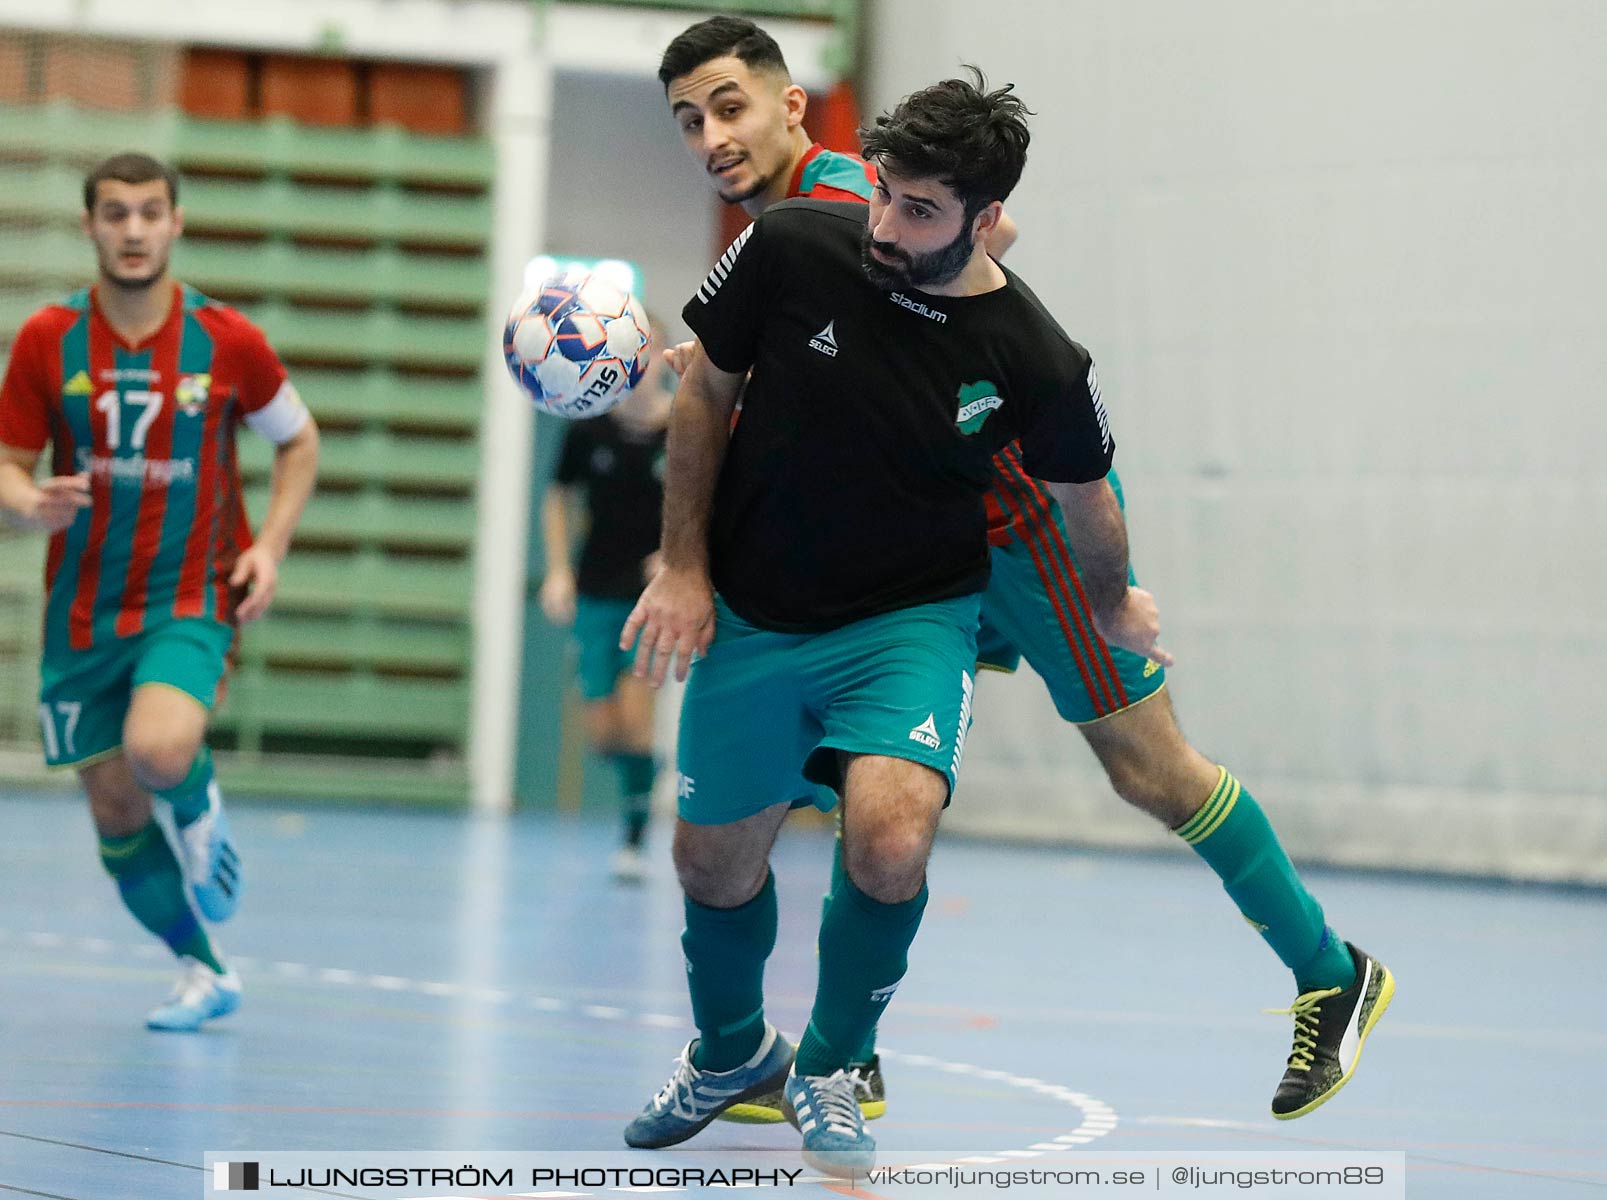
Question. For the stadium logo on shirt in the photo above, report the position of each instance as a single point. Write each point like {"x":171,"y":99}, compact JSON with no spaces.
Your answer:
{"x":78,"y":385}
{"x":915,"y":306}
{"x":977,"y":400}
{"x":926,"y":733}
{"x":191,"y":393}
{"x":826,"y":340}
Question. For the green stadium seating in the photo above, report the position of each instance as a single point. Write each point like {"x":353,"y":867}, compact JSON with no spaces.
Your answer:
{"x":46,"y":257}
{"x":376,"y":518}
{"x":279,"y":205}
{"x":375,"y":335}
{"x":377,"y":396}
{"x":371,"y":582}
{"x":383,"y":275}
{"x":369,"y":644}
{"x":58,"y":131}
{"x":362,"y":254}
{"x":358,"y":705}
{"x":376,"y":456}
{"x":38,"y":191}
{"x":278,"y":145}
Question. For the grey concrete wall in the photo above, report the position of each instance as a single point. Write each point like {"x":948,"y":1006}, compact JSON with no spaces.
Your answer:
{"x":1340,"y":265}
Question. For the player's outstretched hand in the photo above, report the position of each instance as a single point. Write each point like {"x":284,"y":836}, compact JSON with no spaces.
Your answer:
{"x":1135,"y":625}
{"x":60,"y":498}
{"x":257,"y":571}
{"x":672,"y":624}
{"x":678,"y":356}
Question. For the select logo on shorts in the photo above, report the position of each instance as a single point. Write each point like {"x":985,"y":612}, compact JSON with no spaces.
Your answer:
{"x":826,"y":340}
{"x":926,"y":733}
{"x":977,"y":401}
{"x":235,"y":1177}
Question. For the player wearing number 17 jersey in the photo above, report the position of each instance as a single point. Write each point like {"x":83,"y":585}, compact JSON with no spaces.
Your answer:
{"x":137,"y":386}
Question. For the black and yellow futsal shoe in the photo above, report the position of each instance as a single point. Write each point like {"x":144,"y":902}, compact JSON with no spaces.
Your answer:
{"x":868,"y":1086}
{"x":1331,"y":1025}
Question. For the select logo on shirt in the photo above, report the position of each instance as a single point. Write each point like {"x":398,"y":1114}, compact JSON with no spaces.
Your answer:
{"x":191,"y":393}
{"x":826,"y":340}
{"x":78,"y":385}
{"x":977,"y":400}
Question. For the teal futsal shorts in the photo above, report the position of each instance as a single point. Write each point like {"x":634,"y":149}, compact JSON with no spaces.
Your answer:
{"x":598,"y":623}
{"x":84,"y":694}
{"x":1035,"y":608}
{"x":766,"y":713}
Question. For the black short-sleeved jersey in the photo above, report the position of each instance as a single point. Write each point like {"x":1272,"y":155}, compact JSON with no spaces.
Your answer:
{"x":854,"y":482}
{"x":621,"y":469}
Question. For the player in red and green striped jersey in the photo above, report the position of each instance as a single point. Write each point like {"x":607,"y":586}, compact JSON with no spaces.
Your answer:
{"x":138,"y":385}
{"x":741,"y":119}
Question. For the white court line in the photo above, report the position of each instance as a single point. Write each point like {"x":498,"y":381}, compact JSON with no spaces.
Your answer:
{"x":1097,"y":1117}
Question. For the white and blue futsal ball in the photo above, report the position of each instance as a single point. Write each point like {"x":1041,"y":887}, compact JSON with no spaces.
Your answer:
{"x":576,"y":343}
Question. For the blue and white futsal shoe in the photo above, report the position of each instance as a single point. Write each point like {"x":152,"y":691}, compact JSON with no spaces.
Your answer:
{"x":825,"y":1109}
{"x":210,"y":862}
{"x":200,"y":995}
{"x":692,"y":1098}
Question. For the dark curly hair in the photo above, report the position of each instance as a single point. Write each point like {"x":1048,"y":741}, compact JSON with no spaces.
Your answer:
{"x":716,"y":38}
{"x":958,"y":132}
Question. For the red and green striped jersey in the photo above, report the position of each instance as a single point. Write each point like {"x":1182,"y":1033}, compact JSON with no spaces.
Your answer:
{"x":154,"y":426}
{"x":824,"y":174}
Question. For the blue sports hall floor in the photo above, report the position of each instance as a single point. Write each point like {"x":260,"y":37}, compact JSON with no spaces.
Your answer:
{"x":426,"y":981}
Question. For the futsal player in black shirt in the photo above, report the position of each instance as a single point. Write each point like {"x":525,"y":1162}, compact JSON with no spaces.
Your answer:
{"x":740,"y":115}
{"x":826,"y":558}
{"x":613,"y":467}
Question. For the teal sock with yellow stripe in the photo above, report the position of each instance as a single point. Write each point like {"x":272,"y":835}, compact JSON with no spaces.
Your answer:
{"x":1234,"y":837}
{"x":152,"y":887}
{"x":725,"y":951}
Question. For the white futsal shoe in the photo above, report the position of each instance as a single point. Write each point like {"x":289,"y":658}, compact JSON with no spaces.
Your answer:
{"x":200,"y":995}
